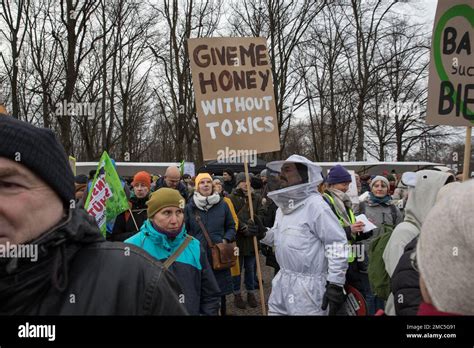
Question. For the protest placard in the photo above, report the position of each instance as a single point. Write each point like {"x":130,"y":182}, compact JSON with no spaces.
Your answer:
{"x":235,"y":102}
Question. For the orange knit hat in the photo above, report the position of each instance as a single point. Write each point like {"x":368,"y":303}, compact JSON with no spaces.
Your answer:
{"x":143,"y":178}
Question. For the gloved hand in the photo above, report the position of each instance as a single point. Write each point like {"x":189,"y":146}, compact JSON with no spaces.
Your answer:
{"x":252,"y":228}
{"x":334,"y":297}
{"x":256,"y":228}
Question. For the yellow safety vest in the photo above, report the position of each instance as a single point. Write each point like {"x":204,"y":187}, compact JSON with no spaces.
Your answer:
{"x":352,"y":220}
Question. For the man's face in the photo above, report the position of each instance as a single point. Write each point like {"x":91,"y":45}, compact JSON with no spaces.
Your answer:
{"x":243,"y":186}
{"x":141,"y":190}
{"x":226,"y":177}
{"x":28,"y":206}
{"x":289,"y":175}
{"x":172,"y":180}
{"x":205,"y":187}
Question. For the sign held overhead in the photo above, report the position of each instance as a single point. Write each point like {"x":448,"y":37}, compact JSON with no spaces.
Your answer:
{"x":235,"y":102}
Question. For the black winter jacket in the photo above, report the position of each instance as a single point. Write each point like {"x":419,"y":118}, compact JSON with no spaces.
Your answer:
{"x":124,"y":226}
{"x":405,"y":283}
{"x":240,"y":201}
{"x":183,"y":190}
{"x":78,"y":273}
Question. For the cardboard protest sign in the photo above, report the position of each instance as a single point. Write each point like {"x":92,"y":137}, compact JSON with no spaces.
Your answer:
{"x":235,"y":102}
{"x":451,"y":79}
{"x":352,"y":190}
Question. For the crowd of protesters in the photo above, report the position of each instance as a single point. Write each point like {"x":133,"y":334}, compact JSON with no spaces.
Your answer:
{"x":156,"y":257}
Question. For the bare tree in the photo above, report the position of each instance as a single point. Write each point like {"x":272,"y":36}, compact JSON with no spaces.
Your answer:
{"x":15,"y":15}
{"x":175,"y":97}
{"x":284,"y":24}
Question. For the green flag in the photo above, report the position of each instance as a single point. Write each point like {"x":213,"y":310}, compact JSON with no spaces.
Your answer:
{"x":106,"y":198}
{"x":181,"y":167}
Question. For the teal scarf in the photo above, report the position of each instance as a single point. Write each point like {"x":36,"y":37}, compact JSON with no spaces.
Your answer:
{"x":384,"y":200}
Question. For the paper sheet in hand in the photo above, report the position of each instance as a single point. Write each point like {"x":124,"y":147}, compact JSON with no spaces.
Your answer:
{"x":368,"y":225}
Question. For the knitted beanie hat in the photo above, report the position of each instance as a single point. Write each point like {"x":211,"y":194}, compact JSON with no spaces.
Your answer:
{"x":39,"y":151}
{"x":338,"y":174}
{"x":142,"y":178}
{"x":379,"y":178}
{"x":239,"y":178}
{"x":162,"y":198}
{"x":202,"y":176}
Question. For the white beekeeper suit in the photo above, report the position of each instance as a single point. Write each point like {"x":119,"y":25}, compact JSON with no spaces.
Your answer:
{"x":305,"y":228}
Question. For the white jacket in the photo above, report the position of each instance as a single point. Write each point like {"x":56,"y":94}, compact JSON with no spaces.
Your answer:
{"x":304,"y":232}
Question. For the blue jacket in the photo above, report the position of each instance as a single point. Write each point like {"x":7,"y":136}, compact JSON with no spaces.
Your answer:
{"x":220,"y":225}
{"x":191,"y":268}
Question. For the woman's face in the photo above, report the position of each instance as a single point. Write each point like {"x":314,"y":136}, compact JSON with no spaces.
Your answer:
{"x":217,"y":186}
{"x":343,"y":186}
{"x":205,"y":187}
{"x":169,"y":219}
{"x":380,"y":189}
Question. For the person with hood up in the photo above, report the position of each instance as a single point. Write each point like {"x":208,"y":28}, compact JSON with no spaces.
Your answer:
{"x":305,"y":235}
{"x":445,"y":254}
{"x":405,"y":278}
{"x":217,"y":219}
{"x":126,"y":224}
{"x":69,"y":258}
{"x":164,"y":236}
{"x":420,"y":201}
{"x":229,"y":180}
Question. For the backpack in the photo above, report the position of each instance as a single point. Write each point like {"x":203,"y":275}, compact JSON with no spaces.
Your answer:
{"x":378,"y":276}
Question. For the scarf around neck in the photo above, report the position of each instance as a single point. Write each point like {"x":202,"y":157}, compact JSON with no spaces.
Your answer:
{"x":205,"y":203}
{"x":377,"y":200}
{"x":342,"y":202}
{"x":168,"y":234}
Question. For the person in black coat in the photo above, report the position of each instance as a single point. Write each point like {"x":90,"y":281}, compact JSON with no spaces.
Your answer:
{"x":229,"y":180}
{"x":68,"y":268}
{"x":405,"y":283}
{"x":172,"y":179}
{"x":127,"y":224}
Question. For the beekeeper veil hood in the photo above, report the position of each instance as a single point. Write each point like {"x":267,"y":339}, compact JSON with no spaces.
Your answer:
{"x":292,"y":197}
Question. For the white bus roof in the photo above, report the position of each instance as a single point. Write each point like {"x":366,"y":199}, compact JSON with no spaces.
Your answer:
{"x":131,"y":168}
{"x":378,"y":167}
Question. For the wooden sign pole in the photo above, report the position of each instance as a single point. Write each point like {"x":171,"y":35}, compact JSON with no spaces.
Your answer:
{"x":255,"y":244}
{"x":466,"y":171}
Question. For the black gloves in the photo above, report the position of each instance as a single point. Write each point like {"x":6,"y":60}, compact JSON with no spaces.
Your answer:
{"x":256,"y":227}
{"x":252,"y":229}
{"x":335,"y":297}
